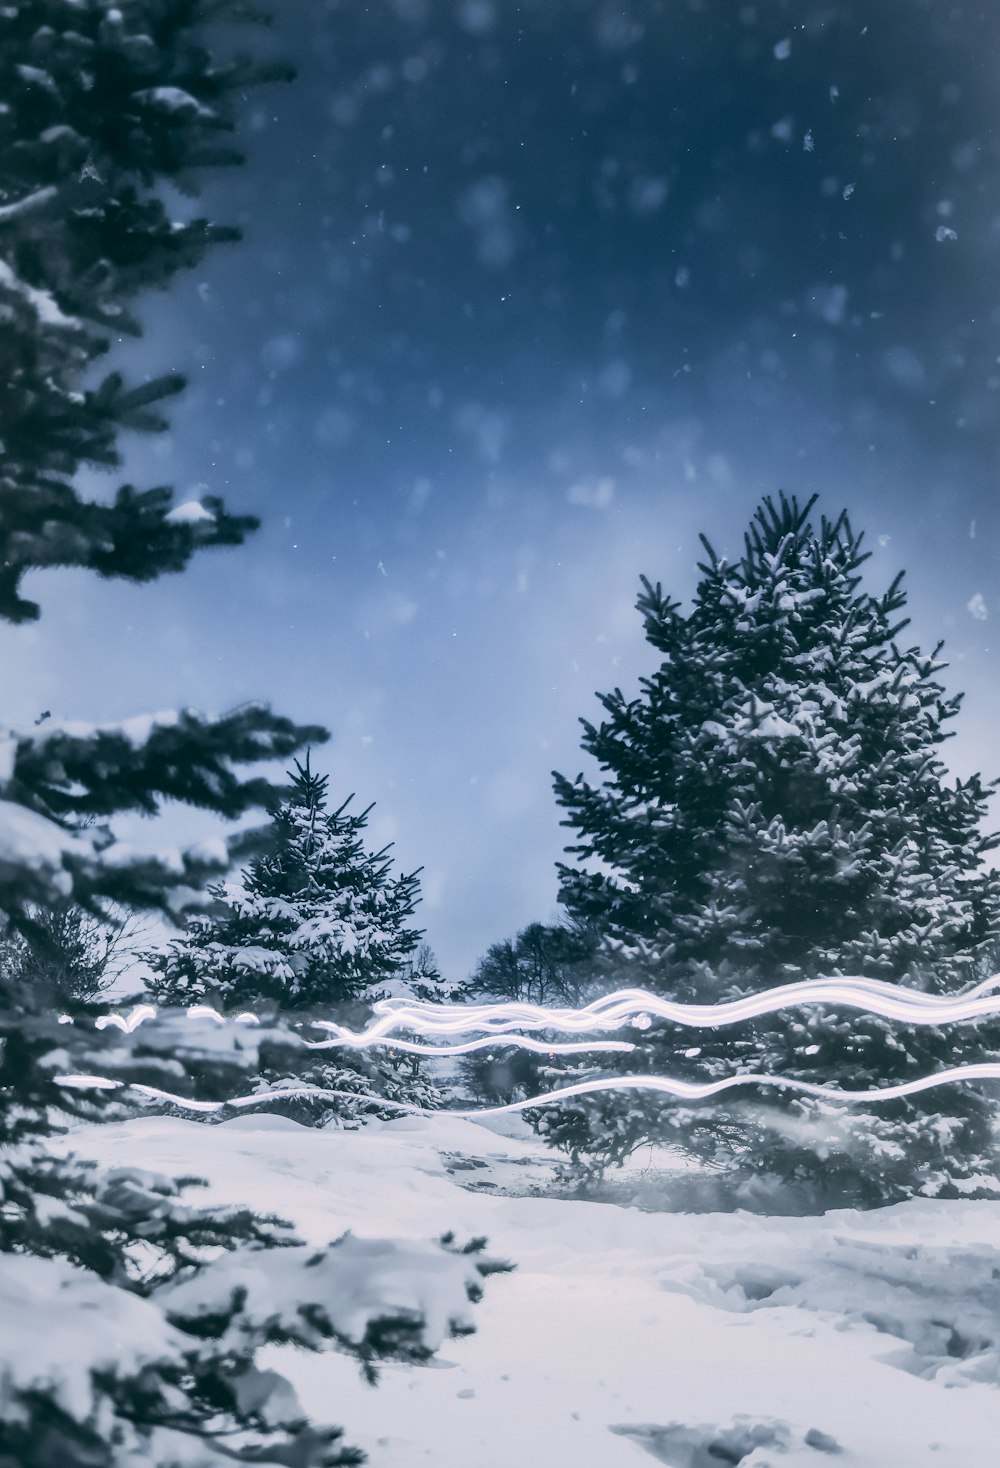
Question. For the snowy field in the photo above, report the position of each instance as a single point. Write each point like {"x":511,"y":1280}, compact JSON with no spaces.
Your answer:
{"x":869,"y":1340}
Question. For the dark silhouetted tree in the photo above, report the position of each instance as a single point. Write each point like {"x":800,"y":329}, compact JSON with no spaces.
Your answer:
{"x":551,"y":965}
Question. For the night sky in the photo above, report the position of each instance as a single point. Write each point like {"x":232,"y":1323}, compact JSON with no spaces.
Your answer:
{"x":530,"y":294}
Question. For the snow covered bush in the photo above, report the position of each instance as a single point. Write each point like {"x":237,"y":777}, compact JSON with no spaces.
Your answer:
{"x":141,"y":1316}
{"x":773,"y":807}
{"x":315,"y":927}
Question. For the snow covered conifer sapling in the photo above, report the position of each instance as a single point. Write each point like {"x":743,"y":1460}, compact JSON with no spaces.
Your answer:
{"x":316,"y":926}
{"x":773,"y":806}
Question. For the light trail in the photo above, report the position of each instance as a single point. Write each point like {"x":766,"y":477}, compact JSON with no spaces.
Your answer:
{"x":702,"y":1090}
{"x":984,"y":987}
{"x":664,"y":1085}
{"x":626,"y":1006}
{"x":498,"y":1024}
{"x":615,"y":1011}
{"x":130,"y":1023}
{"x":344,"y":1038}
{"x":143,"y":1012}
{"x":349,"y":1039}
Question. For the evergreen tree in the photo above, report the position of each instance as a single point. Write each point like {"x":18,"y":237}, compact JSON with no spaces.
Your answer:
{"x":145,"y":1312}
{"x":315,"y":920}
{"x":318,"y":927}
{"x":774,"y":807}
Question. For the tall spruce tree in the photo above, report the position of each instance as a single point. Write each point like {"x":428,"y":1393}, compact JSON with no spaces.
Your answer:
{"x":317,"y":926}
{"x":773,"y":807}
{"x":103,"y":104}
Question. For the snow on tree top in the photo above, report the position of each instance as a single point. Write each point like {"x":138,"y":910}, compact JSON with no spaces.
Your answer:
{"x":192,"y":512}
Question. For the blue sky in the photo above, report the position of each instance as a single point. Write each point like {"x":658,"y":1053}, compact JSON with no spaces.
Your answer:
{"x":529,"y":295}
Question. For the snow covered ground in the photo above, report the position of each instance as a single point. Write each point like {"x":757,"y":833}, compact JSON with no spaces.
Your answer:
{"x":869,"y":1340}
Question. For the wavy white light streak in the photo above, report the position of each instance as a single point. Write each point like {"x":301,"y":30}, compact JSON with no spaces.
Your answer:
{"x":344,"y":1038}
{"x":701,"y":1091}
{"x":984,"y":987}
{"x":353,"y":1040}
{"x":665,"y":1085}
{"x":615,"y":1011}
{"x":142,"y":1012}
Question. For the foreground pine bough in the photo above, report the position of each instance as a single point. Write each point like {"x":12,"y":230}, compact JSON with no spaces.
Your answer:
{"x":131,"y":1319}
{"x":144,"y":1312}
{"x":102,"y":105}
{"x":151,"y":1359}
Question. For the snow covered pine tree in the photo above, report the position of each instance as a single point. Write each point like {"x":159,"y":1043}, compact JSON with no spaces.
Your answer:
{"x":316,"y":927}
{"x":774,"y":808}
{"x":130,"y":1318}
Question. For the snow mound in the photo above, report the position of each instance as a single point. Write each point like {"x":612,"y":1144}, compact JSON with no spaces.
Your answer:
{"x":263,"y":1121}
{"x":747,"y":1443}
{"x":940,"y":1305}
